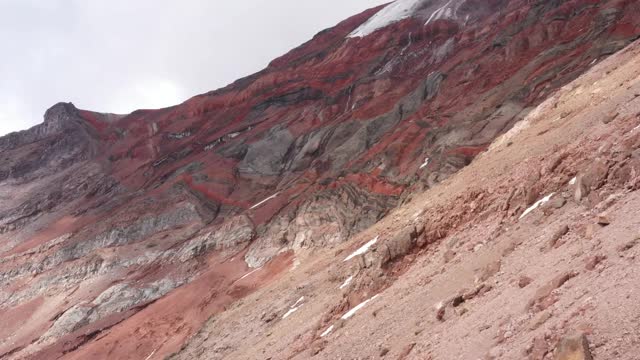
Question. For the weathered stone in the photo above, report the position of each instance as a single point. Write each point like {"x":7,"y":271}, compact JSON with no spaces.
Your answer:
{"x":448,"y":256}
{"x":581,"y":190}
{"x":610,"y":117}
{"x":524,"y":281}
{"x":595,"y":175}
{"x":590,"y":230}
{"x":488,"y":271}
{"x":593,"y":261}
{"x":603,"y":219}
{"x":556,"y":202}
{"x":557,"y":235}
{"x":539,"y":349}
{"x":574,"y":347}
{"x":401,"y":244}
{"x":406,"y":350}
{"x":440,"y":311}
{"x":542,"y":298}
{"x":628,"y":245}
{"x":539,"y":320}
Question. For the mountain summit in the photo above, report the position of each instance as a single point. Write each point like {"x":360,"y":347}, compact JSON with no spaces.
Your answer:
{"x":446,"y":179}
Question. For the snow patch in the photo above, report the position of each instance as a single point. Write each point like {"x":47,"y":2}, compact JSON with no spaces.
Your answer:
{"x":248,"y":274}
{"x":298,"y":302}
{"x":151,"y":355}
{"x":346,"y":282}
{"x":425,"y":163}
{"x":293,"y":308}
{"x":349,"y":314}
{"x":392,"y":13}
{"x":327,"y":332}
{"x":291,"y":311}
{"x":537,"y":204}
{"x":363,"y":249}
{"x":635,"y":128}
{"x":353,"y":311}
{"x":573,"y":181}
{"x":443,"y":12}
{"x":264,"y":201}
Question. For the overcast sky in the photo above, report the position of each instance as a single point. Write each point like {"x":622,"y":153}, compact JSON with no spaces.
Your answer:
{"x":121,"y":55}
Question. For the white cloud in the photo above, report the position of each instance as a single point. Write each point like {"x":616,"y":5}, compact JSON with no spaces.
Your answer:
{"x":118,"y":55}
{"x":147,"y":94}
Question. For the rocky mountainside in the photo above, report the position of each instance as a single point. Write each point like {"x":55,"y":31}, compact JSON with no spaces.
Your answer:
{"x":222,"y":227}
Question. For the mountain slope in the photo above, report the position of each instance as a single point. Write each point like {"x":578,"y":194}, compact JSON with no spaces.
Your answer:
{"x":483,"y":277}
{"x":114,"y":226}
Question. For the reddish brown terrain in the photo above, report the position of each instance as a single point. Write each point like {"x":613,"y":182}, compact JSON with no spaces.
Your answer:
{"x":485,"y":153}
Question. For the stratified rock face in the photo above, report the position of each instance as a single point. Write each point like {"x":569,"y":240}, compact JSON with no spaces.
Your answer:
{"x":103,"y":214}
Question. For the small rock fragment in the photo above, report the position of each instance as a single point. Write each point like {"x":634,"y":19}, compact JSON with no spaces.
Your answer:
{"x":317,"y":347}
{"x":557,"y":202}
{"x":268,"y":317}
{"x":384,"y":351}
{"x":590,"y":230}
{"x":538,"y":349}
{"x":406,"y":351}
{"x":448,"y":256}
{"x":539,"y":320}
{"x":593,"y":261}
{"x":581,"y":190}
{"x":610,"y":117}
{"x":440,"y":311}
{"x":542,"y":298}
{"x":524,"y":281}
{"x":628,"y":246}
{"x":488,"y":271}
{"x":603,"y":219}
{"x":557,"y":235}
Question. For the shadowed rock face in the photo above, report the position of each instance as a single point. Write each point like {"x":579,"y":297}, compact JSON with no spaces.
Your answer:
{"x":315,"y":148}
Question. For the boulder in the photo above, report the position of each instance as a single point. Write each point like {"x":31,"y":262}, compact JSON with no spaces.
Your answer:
{"x":557,"y":235}
{"x":573,"y":347}
{"x":596,"y":174}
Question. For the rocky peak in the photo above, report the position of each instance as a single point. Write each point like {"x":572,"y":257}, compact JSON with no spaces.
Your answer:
{"x":60,"y":116}
{"x":59,"y":119}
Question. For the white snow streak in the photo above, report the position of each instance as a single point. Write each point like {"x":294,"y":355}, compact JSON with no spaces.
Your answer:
{"x":298,"y":302}
{"x":291,"y":311}
{"x":248,"y":274}
{"x":150,"y":355}
{"x":392,"y":13}
{"x":536,"y":205}
{"x":363,"y":249}
{"x":293,"y":308}
{"x":439,"y":13}
{"x":346,"y":282}
{"x":264,"y":201}
{"x":326,"y":332}
{"x":573,"y":181}
{"x":636,"y":128}
{"x":349,"y":314}
{"x":425,"y":163}
{"x":353,"y":311}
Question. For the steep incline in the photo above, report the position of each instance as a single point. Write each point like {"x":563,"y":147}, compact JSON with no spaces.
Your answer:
{"x":472,"y":269}
{"x":118,"y":225}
